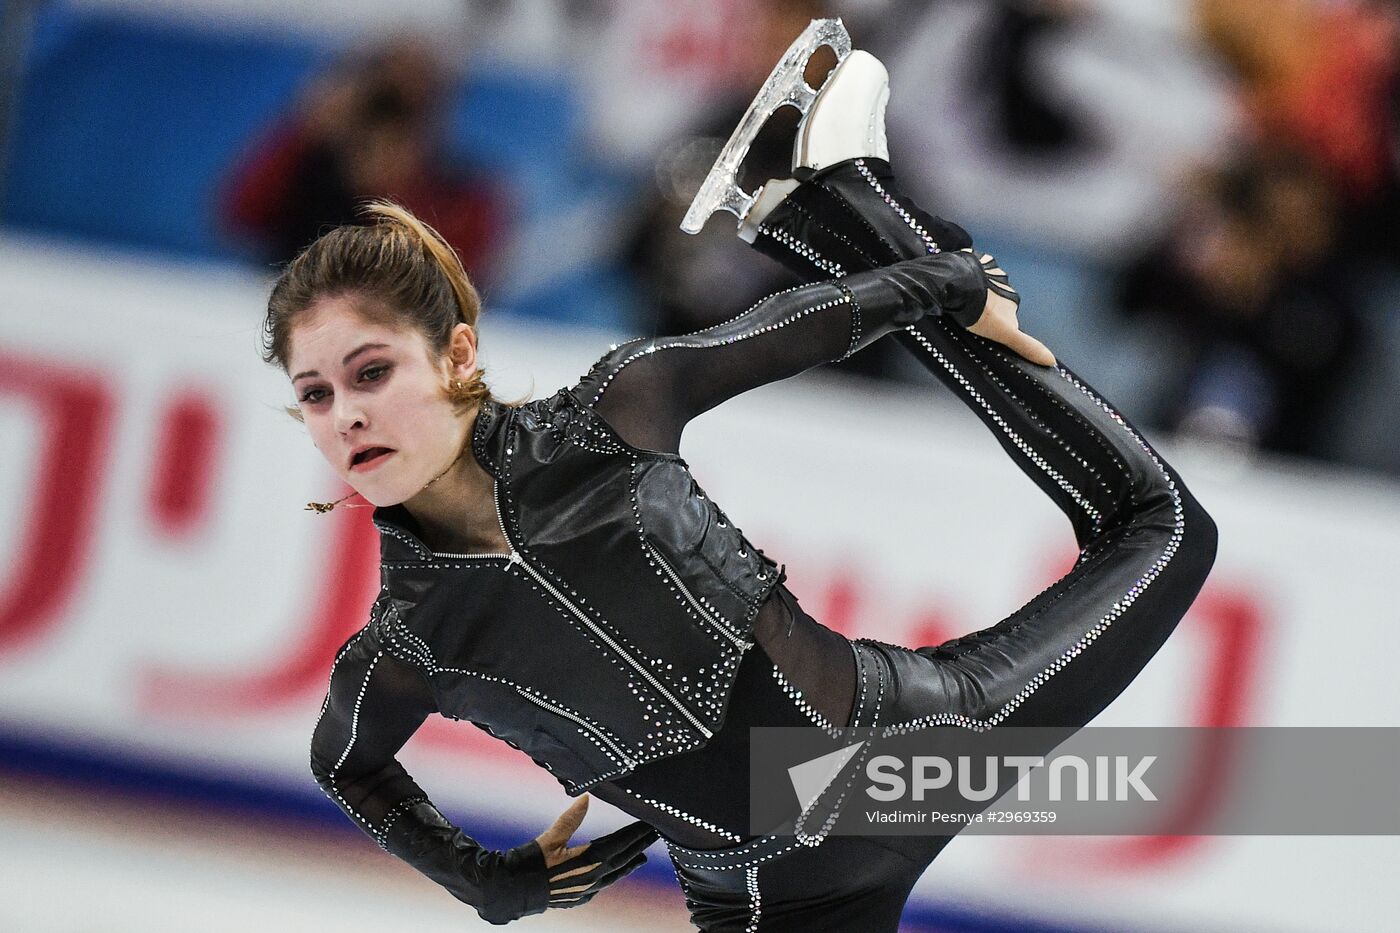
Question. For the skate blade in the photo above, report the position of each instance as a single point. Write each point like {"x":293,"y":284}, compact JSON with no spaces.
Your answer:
{"x":785,"y":86}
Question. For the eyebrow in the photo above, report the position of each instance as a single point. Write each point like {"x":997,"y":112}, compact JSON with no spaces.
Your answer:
{"x":348,"y":357}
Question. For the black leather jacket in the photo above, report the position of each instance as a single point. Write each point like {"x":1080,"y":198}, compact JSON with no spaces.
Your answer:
{"x":610,"y":633}
{"x":633,"y":592}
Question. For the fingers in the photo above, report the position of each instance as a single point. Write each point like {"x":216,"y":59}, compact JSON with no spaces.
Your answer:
{"x":1031,"y":349}
{"x":580,"y":872}
{"x":629,"y":835}
{"x":607,"y":852}
{"x":562,"y":829}
{"x":1002,"y":329}
{"x":1004,"y":289}
{"x":620,"y":844}
{"x":632,"y":837}
{"x":574,"y":871}
{"x":622,"y":872}
{"x":623,"y":845}
{"x":998,"y":321}
{"x":572,"y":895}
{"x":574,"y":889}
{"x":603,"y":879}
{"x":607,"y":859}
{"x":997,"y":279}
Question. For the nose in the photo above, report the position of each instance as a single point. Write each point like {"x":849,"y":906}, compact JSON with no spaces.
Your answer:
{"x":348,"y":415}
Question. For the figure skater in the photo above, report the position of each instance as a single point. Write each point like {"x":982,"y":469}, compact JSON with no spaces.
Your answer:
{"x":552,"y":573}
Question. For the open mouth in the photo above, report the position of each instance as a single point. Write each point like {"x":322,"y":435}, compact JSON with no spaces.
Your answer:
{"x":369,"y":456}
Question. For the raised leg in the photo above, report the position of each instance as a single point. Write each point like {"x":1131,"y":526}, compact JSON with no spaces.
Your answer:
{"x":1146,"y":544}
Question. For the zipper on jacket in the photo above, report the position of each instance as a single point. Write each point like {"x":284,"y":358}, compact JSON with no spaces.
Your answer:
{"x":583,"y":617}
{"x":695,"y":603}
{"x":559,"y":710}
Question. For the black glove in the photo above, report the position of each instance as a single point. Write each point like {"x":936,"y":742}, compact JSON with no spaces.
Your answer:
{"x":607,"y":859}
{"x":954,"y":284}
{"x":502,"y":886}
{"x":852,"y":220}
{"x":505,"y":886}
{"x":997,"y":279}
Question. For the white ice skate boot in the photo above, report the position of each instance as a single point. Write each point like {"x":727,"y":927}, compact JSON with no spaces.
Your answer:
{"x":846,"y":121}
{"x":785,"y":86}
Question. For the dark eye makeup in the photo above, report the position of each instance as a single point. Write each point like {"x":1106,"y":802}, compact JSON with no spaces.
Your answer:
{"x":372,"y":373}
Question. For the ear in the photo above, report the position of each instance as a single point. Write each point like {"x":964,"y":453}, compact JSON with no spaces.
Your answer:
{"x":462,"y":351}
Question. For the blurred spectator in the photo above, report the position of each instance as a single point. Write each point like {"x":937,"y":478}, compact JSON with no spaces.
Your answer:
{"x":697,"y":281}
{"x":1257,"y":280}
{"x":1321,"y":78}
{"x":370,"y":127}
{"x":1250,"y":285}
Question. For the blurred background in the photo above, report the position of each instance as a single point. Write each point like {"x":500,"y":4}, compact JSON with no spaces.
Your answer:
{"x":1196,"y":199}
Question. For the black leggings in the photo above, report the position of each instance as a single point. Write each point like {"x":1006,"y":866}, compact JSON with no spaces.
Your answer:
{"x":1146,"y":547}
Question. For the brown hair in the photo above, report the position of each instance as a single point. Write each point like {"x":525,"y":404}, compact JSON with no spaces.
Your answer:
{"x":404,"y":271}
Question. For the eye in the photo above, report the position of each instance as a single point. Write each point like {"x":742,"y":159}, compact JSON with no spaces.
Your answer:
{"x":373,"y":373}
{"x":368,"y":374}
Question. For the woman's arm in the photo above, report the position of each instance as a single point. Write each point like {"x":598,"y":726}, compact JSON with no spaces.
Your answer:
{"x":649,"y":388}
{"x":374,"y":704}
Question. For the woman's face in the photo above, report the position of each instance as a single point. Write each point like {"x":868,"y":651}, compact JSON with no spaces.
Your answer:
{"x":373,"y":400}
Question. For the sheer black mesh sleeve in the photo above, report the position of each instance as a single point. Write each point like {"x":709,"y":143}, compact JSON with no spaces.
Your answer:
{"x":649,"y":388}
{"x":374,"y":705}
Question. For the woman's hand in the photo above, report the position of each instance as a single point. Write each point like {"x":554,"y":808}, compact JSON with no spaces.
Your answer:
{"x":998,"y":320}
{"x":577,"y":873}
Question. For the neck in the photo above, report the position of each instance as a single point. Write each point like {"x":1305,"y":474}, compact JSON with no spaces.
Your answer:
{"x":446,"y":505}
